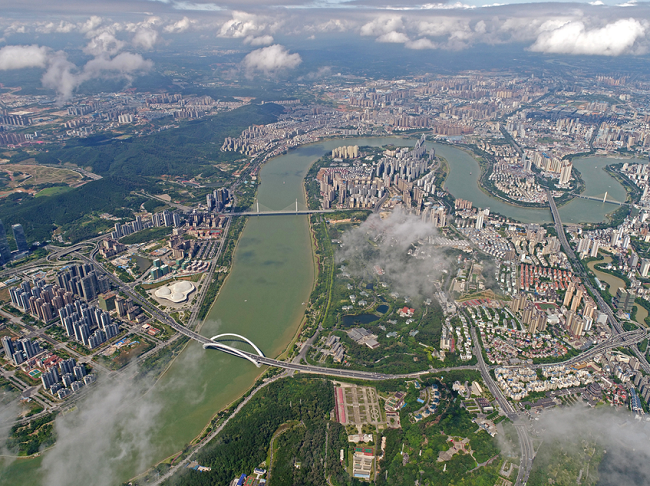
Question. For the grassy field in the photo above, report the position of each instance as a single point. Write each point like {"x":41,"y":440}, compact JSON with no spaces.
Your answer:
{"x":126,"y":353}
{"x":53,"y":191}
{"x":40,"y":175}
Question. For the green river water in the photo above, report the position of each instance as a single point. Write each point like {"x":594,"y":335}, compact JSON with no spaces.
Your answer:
{"x":272,"y":276}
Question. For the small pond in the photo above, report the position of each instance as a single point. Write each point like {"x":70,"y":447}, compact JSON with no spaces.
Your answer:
{"x":360,"y":319}
{"x":382,"y":309}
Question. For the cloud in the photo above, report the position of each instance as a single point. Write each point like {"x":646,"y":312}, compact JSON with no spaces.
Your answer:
{"x":8,"y":414}
{"x":64,"y":77}
{"x":574,"y":38}
{"x":625,"y":441}
{"x":124,"y":64}
{"x":382,"y":25}
{"x":145,"y":38}
{"x":180,"y":26}
{"x":321,"y":72}
{"x":422,"y":43}
{"x":104,"y":43}
{"x":263,"y":40}
{"x":59,"y":75}
{"x":393,"y":37}
{"x":91,"y":24}
{"x":18,"y":57}
{"x":271,"y":59}
{"x":242,"y":25}
{"x":62,"y":27}
{"x":386,"y":243}
{"x":110,"y":427}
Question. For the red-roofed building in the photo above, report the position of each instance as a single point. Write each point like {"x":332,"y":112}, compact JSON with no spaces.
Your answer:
{"x":406,"y":312}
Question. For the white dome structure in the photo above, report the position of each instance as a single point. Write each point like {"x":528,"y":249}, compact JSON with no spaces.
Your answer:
{"x":176,"y":292}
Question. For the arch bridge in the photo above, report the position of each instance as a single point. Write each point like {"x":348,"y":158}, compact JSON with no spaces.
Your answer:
{"x":216,"y":344}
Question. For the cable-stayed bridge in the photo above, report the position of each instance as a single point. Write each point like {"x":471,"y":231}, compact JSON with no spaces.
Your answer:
{"x":261,"y":210}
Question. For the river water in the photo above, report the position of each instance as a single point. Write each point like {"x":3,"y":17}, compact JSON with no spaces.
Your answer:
{"x":462,"y":182}
{"x":272,"y":276}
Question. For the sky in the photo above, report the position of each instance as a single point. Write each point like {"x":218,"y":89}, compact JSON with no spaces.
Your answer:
{"x":119,"y":38}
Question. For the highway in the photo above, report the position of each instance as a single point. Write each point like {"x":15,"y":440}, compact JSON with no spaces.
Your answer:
{"x":624,"y":339}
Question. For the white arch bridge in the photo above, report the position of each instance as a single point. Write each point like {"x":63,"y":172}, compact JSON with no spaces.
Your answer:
{"x":215,"y":344}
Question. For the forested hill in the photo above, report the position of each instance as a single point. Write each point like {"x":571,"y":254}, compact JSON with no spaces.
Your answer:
{"x":183,"y":151}
{"x":127,"y":165}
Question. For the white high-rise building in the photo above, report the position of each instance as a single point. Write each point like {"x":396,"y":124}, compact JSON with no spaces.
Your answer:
{"x":626,"y":242}
{"x":645,"y":266}
{"x":594,"y":248}
{"x":565,"y":172}
{"x":480,"y":217}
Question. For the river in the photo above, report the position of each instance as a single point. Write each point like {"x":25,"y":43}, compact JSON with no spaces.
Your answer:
{"x":462,"y":182}
{"x":270,"y":282}
{"x":614,"y":284}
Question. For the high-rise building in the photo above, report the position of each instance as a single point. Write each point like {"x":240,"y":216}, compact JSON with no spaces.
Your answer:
{"x":626,"y":242}
{"x":589,"y":309}
{"x":480,"y":216}
{"x":595,"y":246}
{"x":565,"y":172}
{"x":623,"y":300}
{"x":568,"y":295}
{"x":5,"y":252}
{"x":645,"y":266}
{"x":576,"y":300}
{"x":577,"y":326}
{"x":19,"y":236}
{"x":8,"y":346}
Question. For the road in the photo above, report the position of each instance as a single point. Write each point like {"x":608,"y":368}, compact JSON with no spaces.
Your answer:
{"x":284,"y":213}
{"x":191,"y":323}
{"x":616,"y":341}
{"x":610,"y":201}
{"x":579,"y":270}
{"x":525,"y":442}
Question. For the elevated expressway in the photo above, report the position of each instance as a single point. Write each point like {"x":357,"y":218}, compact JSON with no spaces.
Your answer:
{"x":580,"y":272}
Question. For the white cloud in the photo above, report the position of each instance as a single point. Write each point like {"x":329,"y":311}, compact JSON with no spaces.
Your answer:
{"x":422,"y":43}
{"x":145,"y":37}
{"x":271,"y":59}
{"x":60,"y":75}
{"x":382,"y":25}
{"x":123,"y":64}
{"x":393,"y":37}
{"x":18,"y":57}
{"x":112,"y":425}
{"x":332,"y":25}
{"x":241,"y":25}
{"x":180,"y":26}
{"x":104,"y":43}
{"x":443,"y":26}
{"x":613,"y":39}
{"x":263,"y":40}
{"x":91,"y":24}
{"x":60,"y":28}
